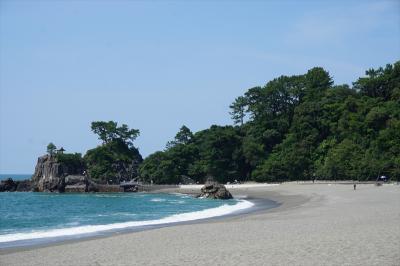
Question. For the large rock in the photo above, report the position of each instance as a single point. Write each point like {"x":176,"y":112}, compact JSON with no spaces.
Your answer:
{"x":75,"y":183}
{"x":50,"y":175}
{"x":75,"y":188}
{"x":10,"y":185}
{"x":24,"y":185}
{"x":214,"y":190}
{"x":92,"y":186}
{"x":75,"y":180}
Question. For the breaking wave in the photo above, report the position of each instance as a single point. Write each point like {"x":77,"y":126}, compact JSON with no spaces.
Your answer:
{"x":93,"y":229}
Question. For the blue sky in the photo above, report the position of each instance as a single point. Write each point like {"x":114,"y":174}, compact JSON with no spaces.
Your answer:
{"x":158,"y":65}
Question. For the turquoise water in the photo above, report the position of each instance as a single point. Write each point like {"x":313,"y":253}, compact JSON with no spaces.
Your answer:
{"x":28,"y":216}
{"x":15,"y":176}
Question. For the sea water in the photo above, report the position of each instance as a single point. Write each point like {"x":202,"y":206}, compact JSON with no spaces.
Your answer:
{"x":31,"y":217}
{"x":15,"y":177}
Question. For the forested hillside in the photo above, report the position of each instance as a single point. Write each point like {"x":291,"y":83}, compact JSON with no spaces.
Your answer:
{"x":295,"y":128}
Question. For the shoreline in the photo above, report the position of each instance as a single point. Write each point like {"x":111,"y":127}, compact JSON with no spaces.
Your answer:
{"x":317,"y":224}
{"x":260,"y":204}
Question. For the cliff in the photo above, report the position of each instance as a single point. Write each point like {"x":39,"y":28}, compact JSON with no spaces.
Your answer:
{"x":68,"y":173}
{"x":50,"y":174}
{"x":55,"y":173}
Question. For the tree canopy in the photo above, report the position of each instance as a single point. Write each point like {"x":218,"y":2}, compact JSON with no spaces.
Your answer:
{"x":297,"y":127}
{"x":116,"y":159}
{"x":109,"y":131}
{"x":51,"y":148}
{"x":184,"y":136}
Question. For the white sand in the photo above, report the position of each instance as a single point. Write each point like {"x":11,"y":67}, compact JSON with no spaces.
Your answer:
{"x":241,"y":186}
{"x":316,"y":225}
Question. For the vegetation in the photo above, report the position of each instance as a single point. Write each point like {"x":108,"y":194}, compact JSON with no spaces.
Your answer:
{"x":71,"y":160}
{"x":109,"y":132}
{"x":51,"y":148}
{"x":116,"y":159}
{"x":299,"y":127}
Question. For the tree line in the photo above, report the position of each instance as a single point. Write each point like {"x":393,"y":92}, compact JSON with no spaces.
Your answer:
{"x":300,"y":127}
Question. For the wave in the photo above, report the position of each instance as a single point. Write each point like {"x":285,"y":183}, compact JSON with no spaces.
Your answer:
{"x":158,"y":200}
{"x":91,"y":229}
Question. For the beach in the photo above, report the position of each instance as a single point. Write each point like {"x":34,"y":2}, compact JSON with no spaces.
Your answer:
{"x":315,"y":224}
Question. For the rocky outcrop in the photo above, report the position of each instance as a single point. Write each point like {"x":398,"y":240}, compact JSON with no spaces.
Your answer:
{"x":79,"y":183}
{"x":113,"y":162}
{"x":75,"y":183}
{"x":24,"y":185}
{"x":53,"y":176}
{"x":75,"y":180}
{"x":214,"y":190}
{"x":11,"y":185}
{"x":124,"y":171}
{"x":8,"y":185}
{"x":50,"y":174}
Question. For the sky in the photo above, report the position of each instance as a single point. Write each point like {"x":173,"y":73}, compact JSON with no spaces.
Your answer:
{"x":158,"y":65}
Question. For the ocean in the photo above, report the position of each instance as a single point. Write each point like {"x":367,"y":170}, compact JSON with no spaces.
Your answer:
{"x":29,"y":218}
{"x":15,"y":176}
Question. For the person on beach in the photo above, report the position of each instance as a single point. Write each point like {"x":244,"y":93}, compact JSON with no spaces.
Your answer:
{"x":354,"y":186}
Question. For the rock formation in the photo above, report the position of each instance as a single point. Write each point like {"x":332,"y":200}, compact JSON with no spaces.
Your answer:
{"x":214,"y":190}
{"x":24,"y":185}
{"x":11,"y":185}
{"x":53,"y":176}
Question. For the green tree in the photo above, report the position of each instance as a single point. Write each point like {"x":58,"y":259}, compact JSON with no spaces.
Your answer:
{"x":238,"y":112}
{"x":215,"y":151}
{"x":184,"y":136}
{"x":116,"y":159}
{"x":381,"y":83}
{"x":159,"y":168}
{"x":109,"y":131}
{"x":51,"y":148}
{"x":113,"y":162}
{"x":72,"y":161}
{"x":342,"y":162}
{"x":297,"y":128}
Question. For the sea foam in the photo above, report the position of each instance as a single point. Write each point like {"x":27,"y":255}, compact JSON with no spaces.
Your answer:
{"x":92,"y":229}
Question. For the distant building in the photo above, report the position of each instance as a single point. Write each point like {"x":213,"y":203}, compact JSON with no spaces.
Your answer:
{"x":60,"y":151}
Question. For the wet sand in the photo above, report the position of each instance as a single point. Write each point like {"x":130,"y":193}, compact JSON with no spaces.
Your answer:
{"x":316,"y":224}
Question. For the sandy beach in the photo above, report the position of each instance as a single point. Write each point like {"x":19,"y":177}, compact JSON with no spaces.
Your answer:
{"x":316,"y":224}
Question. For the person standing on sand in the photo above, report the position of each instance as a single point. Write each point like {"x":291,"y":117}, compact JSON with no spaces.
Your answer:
{"x":354,"y":186}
